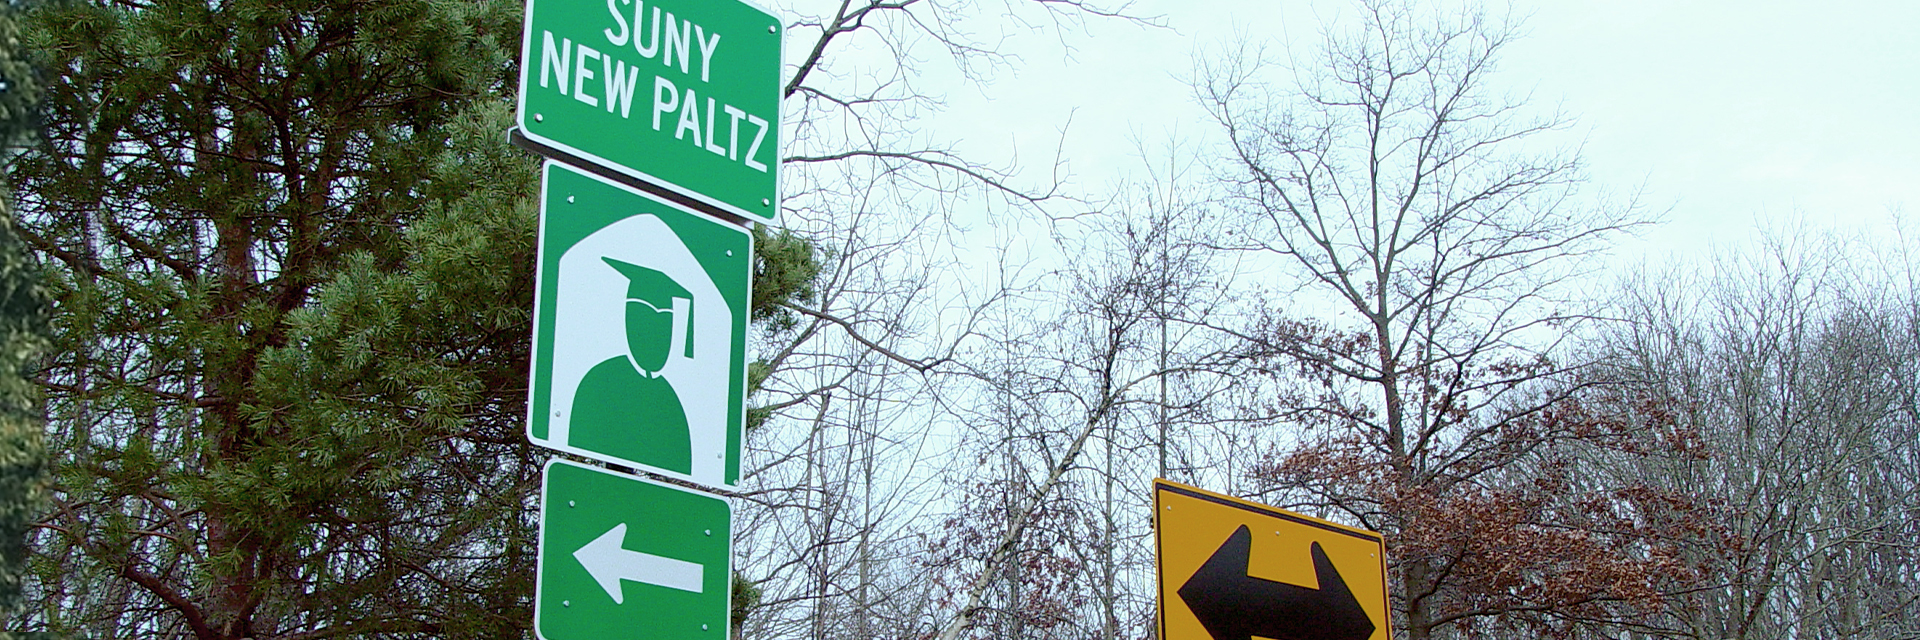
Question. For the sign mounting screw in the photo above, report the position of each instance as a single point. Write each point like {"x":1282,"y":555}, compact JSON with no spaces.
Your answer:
{"x":773,"y":29}
{"x":539,"y":118}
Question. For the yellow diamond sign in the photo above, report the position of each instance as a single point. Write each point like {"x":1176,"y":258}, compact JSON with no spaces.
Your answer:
{"x":1230,"y":569}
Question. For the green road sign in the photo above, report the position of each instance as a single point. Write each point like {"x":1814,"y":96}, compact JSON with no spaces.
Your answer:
{"x":683,"y":94}
{"x":624,"y":557}
{"x":640,"y":323}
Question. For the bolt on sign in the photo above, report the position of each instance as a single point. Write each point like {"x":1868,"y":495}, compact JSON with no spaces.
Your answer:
{"x":640,"y":322}
{"x":629,"y":558}
{"x":1230,"y":569}
{"x":680,"y":94}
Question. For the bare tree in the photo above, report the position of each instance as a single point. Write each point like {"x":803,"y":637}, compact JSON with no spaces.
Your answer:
{"x":1077,"y":410}
{"x":1789,"y":372}
{"x":1434,"y":228}
{"x":840,"y":497}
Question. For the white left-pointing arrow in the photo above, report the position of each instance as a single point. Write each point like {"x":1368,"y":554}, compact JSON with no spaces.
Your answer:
{"x":608,"y":563}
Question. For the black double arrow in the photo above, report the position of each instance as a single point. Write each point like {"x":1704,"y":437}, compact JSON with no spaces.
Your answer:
{"x":1235,"y":606}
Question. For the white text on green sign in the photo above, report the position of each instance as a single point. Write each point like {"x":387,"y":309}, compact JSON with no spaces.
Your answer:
{"x":681,"y":93}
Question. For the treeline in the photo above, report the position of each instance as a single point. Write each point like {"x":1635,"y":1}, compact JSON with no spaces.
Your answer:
{"x":289,"y":257}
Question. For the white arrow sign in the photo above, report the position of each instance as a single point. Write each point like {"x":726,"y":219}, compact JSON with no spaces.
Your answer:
{"x":609,"y":563}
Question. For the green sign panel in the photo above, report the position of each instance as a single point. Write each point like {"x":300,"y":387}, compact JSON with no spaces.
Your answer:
{"x":640,"y":323}
{"x":628,"y":558}
{"x":684,"y":94}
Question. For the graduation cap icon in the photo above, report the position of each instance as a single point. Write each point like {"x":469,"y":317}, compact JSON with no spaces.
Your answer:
{"x":659,"y":315}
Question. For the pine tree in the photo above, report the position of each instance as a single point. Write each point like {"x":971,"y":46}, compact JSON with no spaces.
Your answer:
{"x":291,"y":262}
{"x":23,"y":311}
{"x":23,"y":454}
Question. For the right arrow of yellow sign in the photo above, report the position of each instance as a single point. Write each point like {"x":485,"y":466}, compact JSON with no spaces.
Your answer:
{"x":1236,"y":570}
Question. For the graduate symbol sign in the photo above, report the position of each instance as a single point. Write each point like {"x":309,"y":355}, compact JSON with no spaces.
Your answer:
{"x":639,"y":331}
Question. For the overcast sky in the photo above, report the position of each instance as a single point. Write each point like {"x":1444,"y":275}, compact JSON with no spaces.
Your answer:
{"x":1725,"y":110}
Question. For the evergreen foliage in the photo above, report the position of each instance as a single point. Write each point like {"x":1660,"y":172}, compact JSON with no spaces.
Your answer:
{"x":19,"y":86}
{"x":784,"y":271}
{"x":23,"y":324}
{"x":291,"y":259}
{"x":23,"y":453}
{"x":785,"y":268}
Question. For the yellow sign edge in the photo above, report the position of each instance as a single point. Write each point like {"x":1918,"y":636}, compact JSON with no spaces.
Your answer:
{"x":1160,"y":484}
{"x":1163,"y":485}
